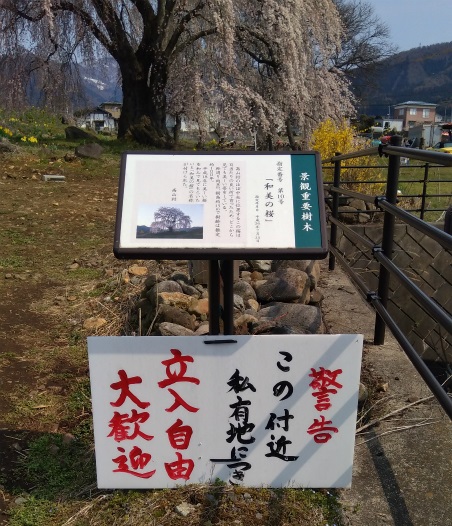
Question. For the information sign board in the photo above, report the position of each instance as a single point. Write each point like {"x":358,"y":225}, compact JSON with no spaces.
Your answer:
{"x":277,"y":411}
{"x":215,"y":205}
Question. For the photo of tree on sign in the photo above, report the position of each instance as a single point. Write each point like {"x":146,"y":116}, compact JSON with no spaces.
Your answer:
{"x":169,"y":222}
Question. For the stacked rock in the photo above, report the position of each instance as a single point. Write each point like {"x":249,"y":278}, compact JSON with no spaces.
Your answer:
{"x":276,"y":296}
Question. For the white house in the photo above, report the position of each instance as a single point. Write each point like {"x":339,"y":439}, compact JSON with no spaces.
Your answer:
{"x":102,"y":119}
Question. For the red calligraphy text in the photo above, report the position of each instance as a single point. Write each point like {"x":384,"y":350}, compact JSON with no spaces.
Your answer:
{"x":179,"y":401}
{"x":179,"y":435}
{"x":321,"y":429}
{"x":180,"y":468}
{"x":125,"y":392}
{"x":179,"y":374}
{"x":138,"y":460}
{"x":127,"y":427}
{"x":324,"y":384}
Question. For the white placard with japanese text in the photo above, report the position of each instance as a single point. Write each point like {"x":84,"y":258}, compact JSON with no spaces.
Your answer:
{"x":277,"y":411}
{"x":223,"y":201}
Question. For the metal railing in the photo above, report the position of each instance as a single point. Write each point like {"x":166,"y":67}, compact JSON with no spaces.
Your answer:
{"x":426,"y":180}
{"x":382,"y":252}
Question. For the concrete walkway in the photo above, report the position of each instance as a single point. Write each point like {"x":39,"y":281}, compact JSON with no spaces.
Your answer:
{"x":402,"y":474}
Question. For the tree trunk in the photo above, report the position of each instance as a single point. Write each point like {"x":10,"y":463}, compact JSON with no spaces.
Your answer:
{"x":290,"y":136}
{"x":269,"y":142}
{"x":143,"y":113}
{"x":177,"y":128}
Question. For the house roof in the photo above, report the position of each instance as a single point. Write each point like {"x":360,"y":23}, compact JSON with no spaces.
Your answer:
{"x":415,"y":103}
{"x":112,"y":103}
{"x":99,"y":111}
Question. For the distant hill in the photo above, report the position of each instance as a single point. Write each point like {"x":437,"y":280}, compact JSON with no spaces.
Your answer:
{"x":421,"y":74}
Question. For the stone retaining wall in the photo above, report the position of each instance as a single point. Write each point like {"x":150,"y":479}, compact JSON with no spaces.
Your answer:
{"x":426,"y":263}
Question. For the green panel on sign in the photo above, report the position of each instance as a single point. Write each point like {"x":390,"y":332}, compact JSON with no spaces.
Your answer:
{"x":306,"y":201}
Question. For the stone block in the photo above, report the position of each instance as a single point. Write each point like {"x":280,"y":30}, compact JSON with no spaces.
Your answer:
{"x":370,"y":279}
{"x":415,"y":234}
{"x":347,"y":246}
{"x":363,"y":218}
{"x":425,"y":326}
{"x":373,"y":233}
{"x":54,"y":178}
{"x":400,"y":232}
{"x":301,"y":319}
{"x":439,"y":345}
{"x":431,"y":246}
{"x":405,"y":323}
{"x":442,"y":263}
{"x":358,"y":204}
{"x":426,"y":351}
{"x":89,"y":151}
{"x":285,"y":285}
{"x":412,"y":248}
{"x":447,"y":305}
{"x":361,"y":262}
{"x":427,"y":289}
{"x":348,"y":214}
{"x":401,"y":258}
{"x":432,"y":278}
{"x":309,"y":266}
{"x":412,"y":309}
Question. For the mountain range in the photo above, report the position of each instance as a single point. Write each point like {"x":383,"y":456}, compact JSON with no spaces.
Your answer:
{"x":100,"y":84}
{"x":420,"y":74}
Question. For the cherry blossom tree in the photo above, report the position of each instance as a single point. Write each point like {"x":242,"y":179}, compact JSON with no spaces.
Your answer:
{"x":171,"y":218}
{"x":254,"y":66}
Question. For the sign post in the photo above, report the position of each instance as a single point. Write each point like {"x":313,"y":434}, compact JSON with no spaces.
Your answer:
{"x":276,"y":411}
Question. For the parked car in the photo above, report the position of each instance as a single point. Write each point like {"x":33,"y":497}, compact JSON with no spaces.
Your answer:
{"x":443,"y":147}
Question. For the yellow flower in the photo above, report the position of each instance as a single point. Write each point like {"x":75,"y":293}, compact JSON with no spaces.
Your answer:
{"x":23,"y":139}
{"x":6,"y":131}
{"x":32,"y":139}
{"x":331,"y":137}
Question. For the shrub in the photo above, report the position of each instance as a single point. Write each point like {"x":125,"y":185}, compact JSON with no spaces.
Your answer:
{"x":330,"y":138}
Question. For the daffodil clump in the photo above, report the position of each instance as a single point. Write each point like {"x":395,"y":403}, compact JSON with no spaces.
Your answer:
{"x":29,"y":139}
{"x":5,"y":132}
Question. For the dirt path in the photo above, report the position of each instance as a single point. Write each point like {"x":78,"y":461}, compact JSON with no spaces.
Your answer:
{"x":403,"y":465}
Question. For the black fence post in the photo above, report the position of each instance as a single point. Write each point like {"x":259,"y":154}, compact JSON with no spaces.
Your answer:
{"x":392,"y":184}
{"x":448,"y":221}
{"x":214,"y":297}
{"x":424,"y":190}
{"x":334,"y":211}
{"x":227,"y":276}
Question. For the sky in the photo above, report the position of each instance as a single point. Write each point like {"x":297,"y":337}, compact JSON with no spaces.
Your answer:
{"x":414,"y":23}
